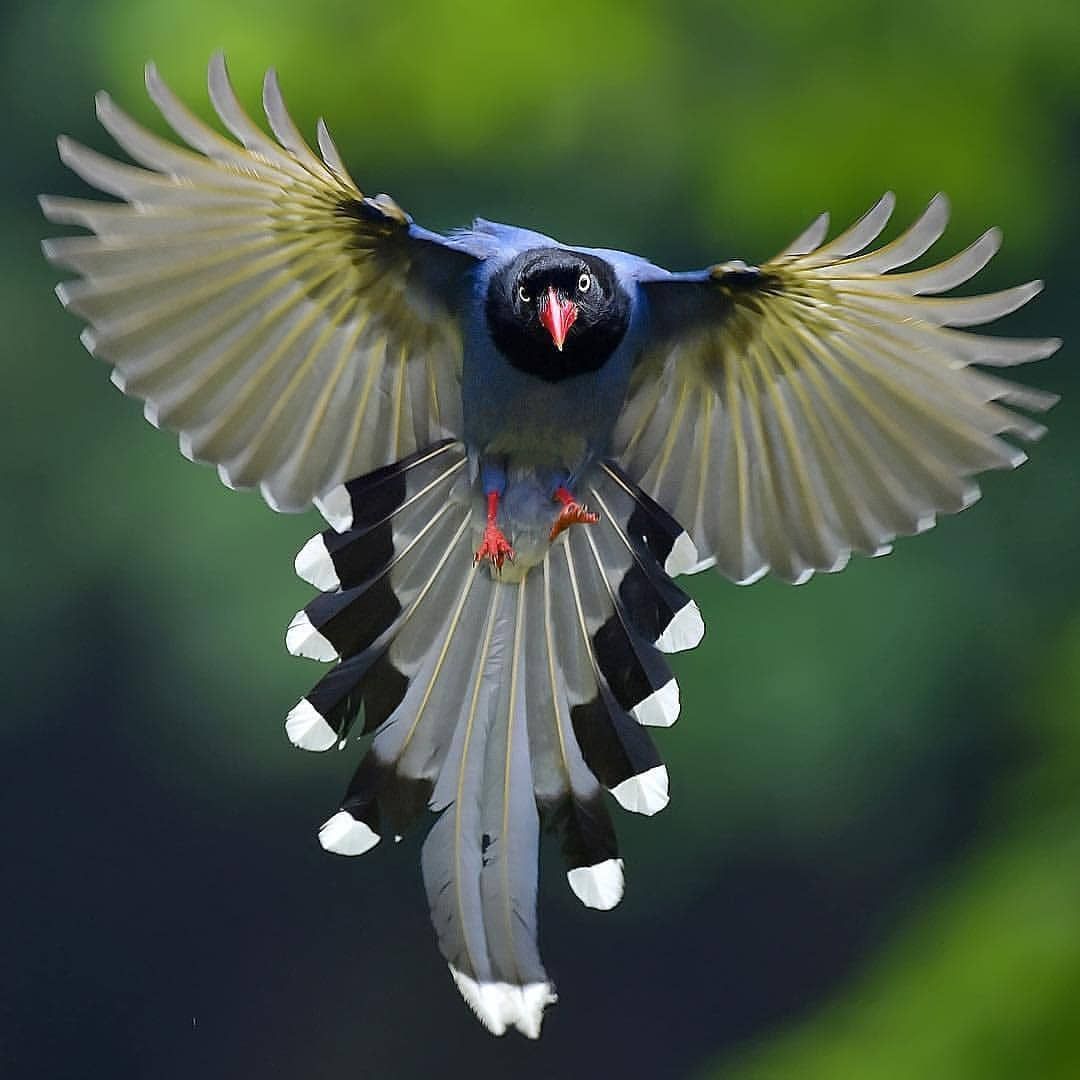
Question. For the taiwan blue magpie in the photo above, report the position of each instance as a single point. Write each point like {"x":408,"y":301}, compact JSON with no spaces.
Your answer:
{"x":518,"y":444}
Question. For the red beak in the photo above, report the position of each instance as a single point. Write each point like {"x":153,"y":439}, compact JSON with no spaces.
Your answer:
{"x":558,"y":315}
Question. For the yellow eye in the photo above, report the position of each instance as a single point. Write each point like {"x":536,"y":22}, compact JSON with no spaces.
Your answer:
{"x":584,"y":282}
{"x":523,"y":296}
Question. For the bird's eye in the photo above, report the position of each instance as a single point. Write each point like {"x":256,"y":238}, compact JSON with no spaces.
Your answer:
{"x":523,"y":296}
{"x":584,"y":282}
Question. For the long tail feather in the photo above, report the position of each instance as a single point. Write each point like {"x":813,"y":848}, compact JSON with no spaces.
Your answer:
{"x":567,"y":791}
{"x":495,"y":703}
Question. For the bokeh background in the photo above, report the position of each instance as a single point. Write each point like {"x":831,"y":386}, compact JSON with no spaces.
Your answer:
{"x":870,"y":867}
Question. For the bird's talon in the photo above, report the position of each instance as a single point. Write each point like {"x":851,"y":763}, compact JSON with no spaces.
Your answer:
{"x":573,"y":513}
{"x":495,"y":547}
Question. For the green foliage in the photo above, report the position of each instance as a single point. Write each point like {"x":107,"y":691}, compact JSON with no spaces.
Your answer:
{"x":982,"y":985}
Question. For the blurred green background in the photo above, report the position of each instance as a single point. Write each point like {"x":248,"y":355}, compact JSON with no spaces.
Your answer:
{"x":870,"y":867}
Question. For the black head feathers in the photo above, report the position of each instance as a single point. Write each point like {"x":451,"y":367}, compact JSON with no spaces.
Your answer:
{"x":555,"y":313}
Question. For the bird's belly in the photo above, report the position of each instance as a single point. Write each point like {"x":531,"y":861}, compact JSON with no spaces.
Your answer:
{"x":537,"y":423}
{"x":535,"y":443}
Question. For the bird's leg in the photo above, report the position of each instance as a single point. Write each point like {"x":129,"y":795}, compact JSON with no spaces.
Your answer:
{"x":494,"y":545}
{"x":572,"y":513}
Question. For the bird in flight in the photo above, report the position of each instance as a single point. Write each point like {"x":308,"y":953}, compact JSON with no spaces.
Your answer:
{"x":518,"y":444}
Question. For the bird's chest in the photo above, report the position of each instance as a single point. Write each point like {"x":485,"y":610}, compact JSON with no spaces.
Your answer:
{"x":538,"y":421}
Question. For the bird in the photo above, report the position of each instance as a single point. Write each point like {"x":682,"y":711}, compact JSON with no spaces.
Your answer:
{"x":518,"y":445}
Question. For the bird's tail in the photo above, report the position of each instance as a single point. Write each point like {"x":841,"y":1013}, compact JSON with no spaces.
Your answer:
{"x":499,"y":705}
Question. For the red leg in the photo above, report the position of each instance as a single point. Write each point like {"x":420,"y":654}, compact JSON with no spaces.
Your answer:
{"x":494,"y":546}
{"x":572,"y":513}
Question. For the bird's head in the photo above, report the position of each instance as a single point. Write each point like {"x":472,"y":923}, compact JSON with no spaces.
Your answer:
{"x":557,"y":313}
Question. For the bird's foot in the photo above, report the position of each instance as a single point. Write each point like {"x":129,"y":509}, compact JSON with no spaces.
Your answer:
{"x":572,"y":513}
{"x":495,"y":547}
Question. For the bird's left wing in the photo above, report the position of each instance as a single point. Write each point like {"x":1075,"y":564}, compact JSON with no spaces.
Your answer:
{"x":792,"y":413}
{"x":294,"y":331}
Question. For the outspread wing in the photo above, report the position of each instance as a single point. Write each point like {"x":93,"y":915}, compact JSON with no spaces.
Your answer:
{"x":294,"y":331}
{"x":790,"y":414}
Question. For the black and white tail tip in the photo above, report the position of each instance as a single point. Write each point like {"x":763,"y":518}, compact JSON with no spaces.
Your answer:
{"x":501,"y":706}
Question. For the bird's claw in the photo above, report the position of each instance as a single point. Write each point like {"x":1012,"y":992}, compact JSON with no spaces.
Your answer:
{"x":495,"y":547}
{"x":572,"y":513}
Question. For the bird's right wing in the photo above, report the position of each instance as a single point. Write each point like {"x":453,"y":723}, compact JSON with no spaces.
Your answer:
{"x":792,"y":413}
{"x":294,"y":331}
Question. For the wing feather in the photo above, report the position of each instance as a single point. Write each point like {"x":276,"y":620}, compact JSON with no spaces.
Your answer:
{"x":286,"y":131}
{"x":818,"y":405}
{"x":853,"y":239}
{"x":293,"y":331}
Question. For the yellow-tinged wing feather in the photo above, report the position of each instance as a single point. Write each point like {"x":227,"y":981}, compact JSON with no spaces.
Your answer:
{"x":833,"y":406}
{"x":256,"y":300}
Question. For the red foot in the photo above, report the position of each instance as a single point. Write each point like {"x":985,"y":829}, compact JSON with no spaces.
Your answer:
{"x":494,"y":545}
{"x":572,"y":513}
